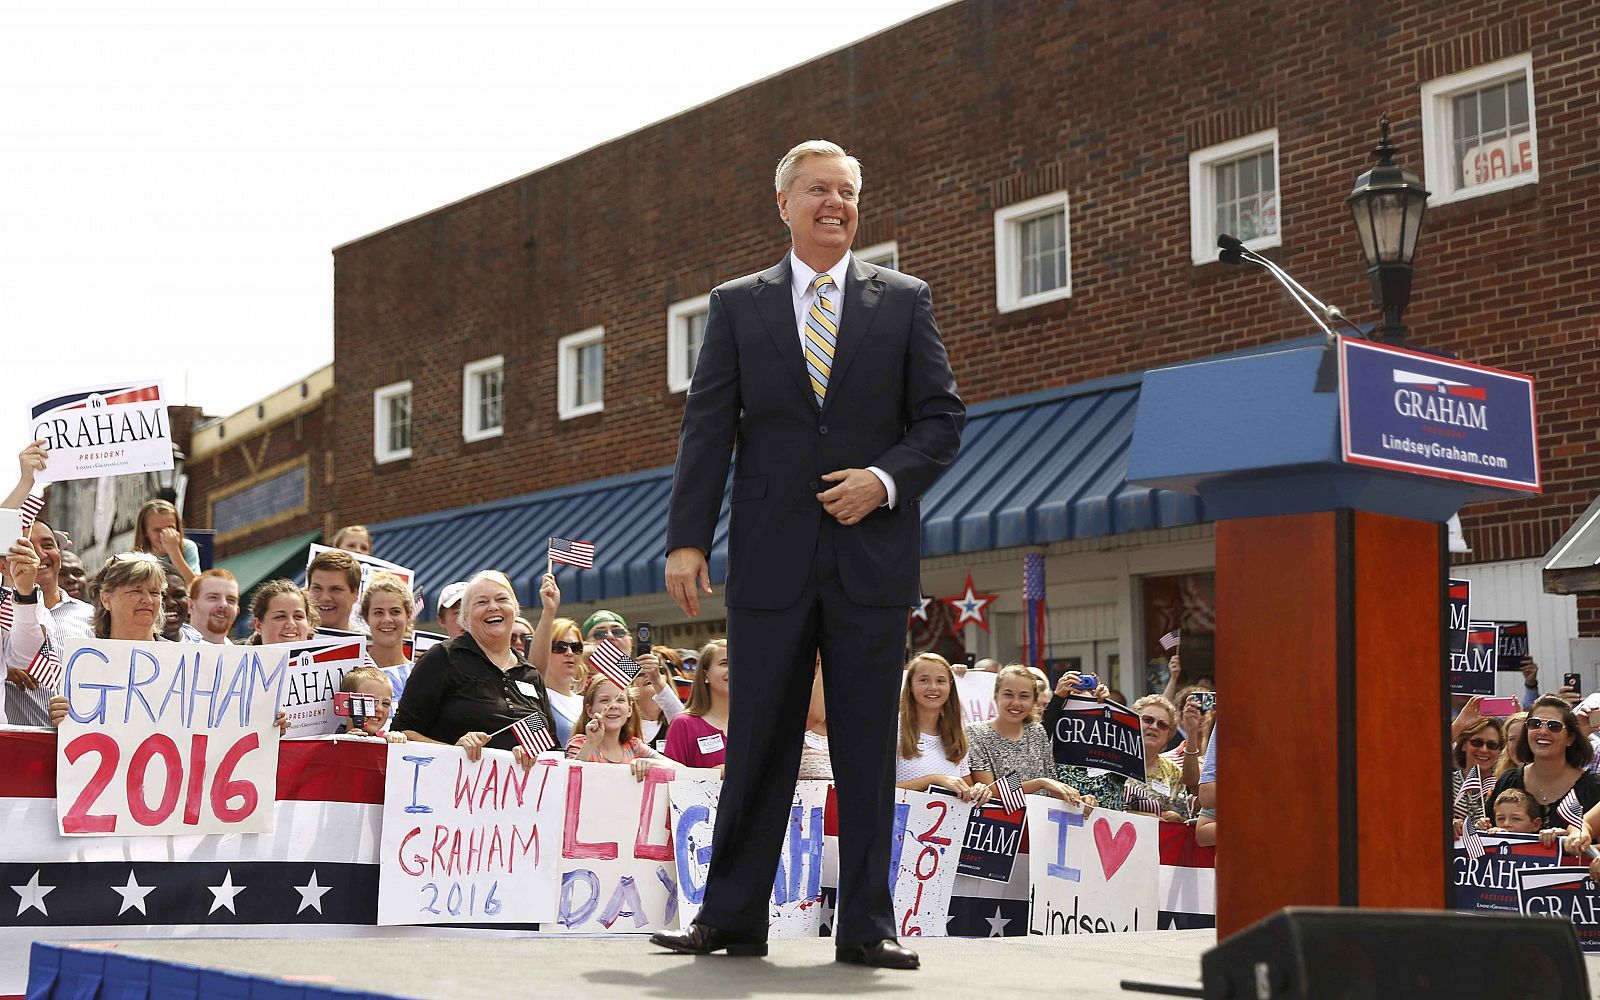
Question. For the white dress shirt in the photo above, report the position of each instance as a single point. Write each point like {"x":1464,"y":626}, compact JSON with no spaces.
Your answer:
{"x":800,"y":278}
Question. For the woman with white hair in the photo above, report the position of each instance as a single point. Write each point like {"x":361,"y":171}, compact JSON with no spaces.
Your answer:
{"x":466,"y":688}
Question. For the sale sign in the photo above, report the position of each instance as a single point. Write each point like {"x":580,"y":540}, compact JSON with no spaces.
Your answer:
{"x":795,"y":910}
{"x":615,"y":870}
{"x":1101,"y":735}
{"x":114,"y":429}
{"x":461,"y":842}
{"x":1490,"y":882}
{"x":925,"y":853}
{"x":316,"y":668}
{"x":1094,"y":874}
{"x":168,"y":738}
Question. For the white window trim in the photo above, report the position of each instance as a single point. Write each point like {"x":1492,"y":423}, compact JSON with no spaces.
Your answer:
{"x":885,"y":249}
{"x":1007,"y":251}
{"x":1439,"y":168}
{"x":380,"y":421}
{"x":567,"y":374}
{"x":678,"y":374}
{"x":1203,"y":193}
{"x":470,"y":400}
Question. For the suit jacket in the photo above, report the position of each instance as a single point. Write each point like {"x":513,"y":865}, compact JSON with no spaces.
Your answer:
{"x":891,"y":403}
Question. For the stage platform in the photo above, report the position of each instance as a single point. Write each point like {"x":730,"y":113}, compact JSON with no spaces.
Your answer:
{"x":1089,"y":967}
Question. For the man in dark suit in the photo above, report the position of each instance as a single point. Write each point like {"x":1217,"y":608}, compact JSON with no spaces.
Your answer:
{"x":830,"y":376}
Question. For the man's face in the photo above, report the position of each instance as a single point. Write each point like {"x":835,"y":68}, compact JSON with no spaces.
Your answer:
{"x":331,"y":594}
{"x":175,"y":605}
{"x":44,"y":543}
{"x":216,"y":605}
{"x":819,"y":208}
{"x":450,"y":620}
{"x":74,"y":579}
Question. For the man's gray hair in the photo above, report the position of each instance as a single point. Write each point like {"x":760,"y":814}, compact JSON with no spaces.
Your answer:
{"x":790,"y":164}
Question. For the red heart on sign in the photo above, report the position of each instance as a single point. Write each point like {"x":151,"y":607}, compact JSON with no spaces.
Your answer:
{"x":1114,"y":848}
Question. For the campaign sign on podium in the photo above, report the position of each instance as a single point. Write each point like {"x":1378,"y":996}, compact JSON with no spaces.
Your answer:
{"x":1432,"y":416}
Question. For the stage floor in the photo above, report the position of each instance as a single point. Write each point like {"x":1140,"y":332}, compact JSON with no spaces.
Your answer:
{"x":1089,"y":967}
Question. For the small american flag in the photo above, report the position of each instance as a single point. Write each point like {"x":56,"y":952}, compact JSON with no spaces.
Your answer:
{"x":565,"y":550}
{"x":1471,"y":840}
{"x":1569,"y":808}
{"x":46,"y":666}
{"x":30,"y":507}
{"x":1009,"y":788}
{"x":1471,"y":786}
{"x":616,"y":666}
{"x":533,"y":735}
{"x":1170,"y":641}
{"x":1141,"y":798}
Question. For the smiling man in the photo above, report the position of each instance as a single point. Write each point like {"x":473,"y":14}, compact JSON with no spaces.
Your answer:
{"x":213,"y":606}
{"x":333,"y":580}
{"x":831,"y":375}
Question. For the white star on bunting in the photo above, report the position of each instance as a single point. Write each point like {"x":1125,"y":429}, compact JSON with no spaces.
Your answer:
{"x":311,"y":894}
{"x":922,"y":608}
{"x":970,"y":607}
{"x":997,"y":924}
{"x":31,"y":896}
{"x":224,"y":894}
{"x":133,"y":895}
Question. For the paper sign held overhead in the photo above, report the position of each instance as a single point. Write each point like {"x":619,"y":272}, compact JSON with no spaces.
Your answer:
{"x":112,"y":429}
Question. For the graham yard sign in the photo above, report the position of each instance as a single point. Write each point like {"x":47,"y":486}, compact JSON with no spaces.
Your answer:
{"x":1417,"y":413}
{"x":102,"y":430}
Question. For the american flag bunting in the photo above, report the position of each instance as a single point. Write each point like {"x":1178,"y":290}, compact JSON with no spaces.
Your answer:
{"x":571,"y":553}
{"x":1033,"y":590}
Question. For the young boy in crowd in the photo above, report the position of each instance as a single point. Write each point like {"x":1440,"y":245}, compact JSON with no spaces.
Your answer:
{"x":1515,"y":812}
{"x":371,"y":681}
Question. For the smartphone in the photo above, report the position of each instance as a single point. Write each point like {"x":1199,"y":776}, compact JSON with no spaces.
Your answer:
{"x":1087,"y":682}
{"x":10,"y":527}
{"x":972,"y":661}
{"x":1572,"y":681}
{"x":341,"y":704}
{"x":349,"y":705}
{"x":1206,"y":700}
{"x":1499,"y":707}
{"x":641,"y":639}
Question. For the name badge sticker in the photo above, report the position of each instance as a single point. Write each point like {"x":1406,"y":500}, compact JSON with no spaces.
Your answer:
{"x":711,"y":743}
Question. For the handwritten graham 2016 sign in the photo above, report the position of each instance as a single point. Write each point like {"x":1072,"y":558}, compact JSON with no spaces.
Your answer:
{"x":102,"y":430}
{"x":1100,"y":735}
{"x":1091,"y":875}
{"x":925,"y":853}
{"x":165,"y":738}
{"x":461,"y":842}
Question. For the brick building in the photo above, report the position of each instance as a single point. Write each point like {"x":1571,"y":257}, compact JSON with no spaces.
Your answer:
{"x":512,"y":365}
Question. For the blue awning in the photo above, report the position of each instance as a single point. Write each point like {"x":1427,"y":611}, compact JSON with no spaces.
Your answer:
{"x":1046,"y":467}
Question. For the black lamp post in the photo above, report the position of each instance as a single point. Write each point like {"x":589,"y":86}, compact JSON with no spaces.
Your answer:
{"x":1388,"y":204}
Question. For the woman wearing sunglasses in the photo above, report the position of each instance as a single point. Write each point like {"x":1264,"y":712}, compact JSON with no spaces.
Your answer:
{"x":1478,"y":746}
{"x":1560,"y":756}
{"x":1162,"y":792}
{"x":562,"y":669}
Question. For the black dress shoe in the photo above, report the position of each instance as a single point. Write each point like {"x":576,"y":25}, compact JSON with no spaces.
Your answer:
{"x":702,"y":940}
{"x":885,"y":954}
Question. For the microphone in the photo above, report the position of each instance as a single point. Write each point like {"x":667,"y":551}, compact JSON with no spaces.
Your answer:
{"x":1233,"y":251}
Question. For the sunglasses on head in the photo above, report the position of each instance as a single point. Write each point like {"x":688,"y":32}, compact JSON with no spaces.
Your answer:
{"x":566,"y":647}
{"x":1483,"y":744}
{"x":1151,"y":720}
{"x":1552,"y":725}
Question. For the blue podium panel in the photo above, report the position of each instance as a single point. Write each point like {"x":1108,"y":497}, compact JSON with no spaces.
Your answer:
{"x":1259,"y":435}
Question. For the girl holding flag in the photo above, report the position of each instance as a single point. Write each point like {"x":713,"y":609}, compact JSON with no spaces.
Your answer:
{"x":608,"y":729}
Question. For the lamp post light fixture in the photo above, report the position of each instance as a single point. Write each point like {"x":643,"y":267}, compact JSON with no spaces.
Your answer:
{"x":1388,"y":204}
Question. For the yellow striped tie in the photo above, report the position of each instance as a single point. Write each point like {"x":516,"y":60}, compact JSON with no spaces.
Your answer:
{"x":822,"y":337}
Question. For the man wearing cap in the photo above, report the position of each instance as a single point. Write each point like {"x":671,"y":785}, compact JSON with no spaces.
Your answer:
{"x":607,"y":625}
{"x":830,"y":375}
{"x":450,"y":608}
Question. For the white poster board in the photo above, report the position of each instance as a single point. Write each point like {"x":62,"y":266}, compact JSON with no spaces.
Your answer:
{"x":316,"y":668}
{"x":795,"y":909}
{"x":1094,"y":875}
{"x":975,"y":688}
{"x":924,"y":856}
{"x":369,"y":565}
{"x":461,"y":842}
{"x":167,"y":738}
{"x":111,"y":429}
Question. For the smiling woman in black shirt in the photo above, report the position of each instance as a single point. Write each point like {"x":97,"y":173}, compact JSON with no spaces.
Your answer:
{"x":464,"y":689}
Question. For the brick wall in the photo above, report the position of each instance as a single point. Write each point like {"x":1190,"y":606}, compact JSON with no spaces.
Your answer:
{"x":965,"y":110}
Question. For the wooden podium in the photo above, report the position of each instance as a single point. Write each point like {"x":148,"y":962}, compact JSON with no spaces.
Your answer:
{"x":1332,"y":784}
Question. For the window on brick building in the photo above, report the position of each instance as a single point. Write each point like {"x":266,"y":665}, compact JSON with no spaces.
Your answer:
{"x":882,"y":254}
{"x":1233,"y":189}
{"x":581,"y":375}
{"x":1478,"y":130}
{"x":483,"y":399}
{"x":280,"y":495}
{"x":1033,"y":259}
{"x":686,"y":331}
{"x":391,"y":422}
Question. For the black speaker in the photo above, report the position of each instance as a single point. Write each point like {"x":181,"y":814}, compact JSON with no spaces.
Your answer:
{"x":1313,"y":953}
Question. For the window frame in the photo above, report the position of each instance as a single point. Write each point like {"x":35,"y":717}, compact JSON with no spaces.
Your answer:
{"x":1439,"y":167}
{"x":1203,"y":164}
{"x":1008,"y":223}
{"x":567,"y":347}
{"x":381,"y":396}
{"x":679,"y":375}
{"x":889,"y":247}
{"x":472,"y":398}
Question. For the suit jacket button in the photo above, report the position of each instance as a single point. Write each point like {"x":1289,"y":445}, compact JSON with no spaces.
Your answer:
{"x":815,"y":486}
{"x":823,"y":429}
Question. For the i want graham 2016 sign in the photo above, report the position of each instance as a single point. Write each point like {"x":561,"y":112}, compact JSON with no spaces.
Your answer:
{"x":1431,"y":416}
